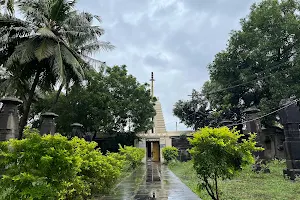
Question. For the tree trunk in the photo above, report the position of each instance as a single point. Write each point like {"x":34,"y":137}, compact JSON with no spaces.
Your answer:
{"x":57,"y":96}
{"x":27,"y":105}
{"x":216,"y":182}
{"x":209,"y":189}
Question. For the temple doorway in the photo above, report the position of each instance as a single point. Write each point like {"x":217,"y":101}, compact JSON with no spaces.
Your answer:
{"x":153,"y":151}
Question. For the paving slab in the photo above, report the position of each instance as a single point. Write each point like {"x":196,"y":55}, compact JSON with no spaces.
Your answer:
{"x":152,"y":181}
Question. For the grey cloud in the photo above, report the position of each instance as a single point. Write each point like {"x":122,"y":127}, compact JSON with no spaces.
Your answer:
{"x":176,"y":42}
{"x":224,"y":7}
{"x":158,"y":60}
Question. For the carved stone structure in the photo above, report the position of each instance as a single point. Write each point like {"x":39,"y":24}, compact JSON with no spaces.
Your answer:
{"x":48,"y":125}
{"x":77,"y":130}
{"x":290,"y":119}
{"x":9,"y":118}
{"x":272,"y":139}
{"x":182,"y":144}
{"x":253,"y":125}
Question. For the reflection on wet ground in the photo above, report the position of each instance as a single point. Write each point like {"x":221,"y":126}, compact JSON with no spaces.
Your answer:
{"x":152,"y":181}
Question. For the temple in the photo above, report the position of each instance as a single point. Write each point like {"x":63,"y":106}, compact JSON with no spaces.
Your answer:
{"x":158,"y":137}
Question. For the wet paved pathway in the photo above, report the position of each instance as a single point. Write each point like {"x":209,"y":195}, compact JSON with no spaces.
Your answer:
{"x":153,"y":181}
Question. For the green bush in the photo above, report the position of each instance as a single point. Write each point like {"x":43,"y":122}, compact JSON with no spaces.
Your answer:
{"x":217,"y":153}
{"x":133,"y":155}
{"x":122,"y":164}
{"x":170,"y":153}
{"x":53,"y":167}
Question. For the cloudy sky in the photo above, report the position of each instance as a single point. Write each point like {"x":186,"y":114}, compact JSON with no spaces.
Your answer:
{"x":175,"y":39}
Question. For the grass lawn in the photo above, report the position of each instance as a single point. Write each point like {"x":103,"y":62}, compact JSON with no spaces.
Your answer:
{"x":246,"y":185}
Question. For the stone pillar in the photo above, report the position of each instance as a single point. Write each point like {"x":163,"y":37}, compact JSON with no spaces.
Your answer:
{"x":254,"y":126}
{"x":48,"y":125}
{"x":142,"y":144}
{"x":9,"y":118}
{"x":77,"y":130}
{"x":290,"y":119}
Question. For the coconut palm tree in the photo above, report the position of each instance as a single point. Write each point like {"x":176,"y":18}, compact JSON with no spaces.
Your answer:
{"x":40,"y":49}
{"x":85,"y":45}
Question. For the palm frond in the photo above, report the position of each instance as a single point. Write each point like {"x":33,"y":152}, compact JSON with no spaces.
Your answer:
{"x":58,"y":65}
{"x":7,"y":21}
{"x":82,"y":22}
{"x":93,"y":62}
{"x":93,"y":30}
{"x":54,"y":37}
{"x":72,"y":61}
{"x":46,"y":49}
{"x":74,"y":33}
{"x":86,"y":16}
{"x":35,"y":11}
{"x":46,"y":32}
{"x":98,"y":18}
{"x":24,"y":53}
{"x":60,"y":8}
{"x":96,"y":46}
{"x":12,"y":84}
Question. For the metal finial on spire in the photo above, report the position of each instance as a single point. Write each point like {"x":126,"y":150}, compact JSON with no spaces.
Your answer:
{"x":152,"y":84}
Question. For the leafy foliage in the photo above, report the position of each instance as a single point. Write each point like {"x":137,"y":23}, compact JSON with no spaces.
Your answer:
{"x":260,"y":65}
{"x":53,"y":167}
{"x":110,"y":101}
{"x":217,"y":153}
{"x":264,"y":54}
{"x":170,"y":153}
{"x":133,"y":155}
{"x":194,"y":112}
{"x":46,"y":48}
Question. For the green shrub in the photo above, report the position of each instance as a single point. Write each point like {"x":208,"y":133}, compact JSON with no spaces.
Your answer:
{"x":99,"y":171}
{"x":217,"y":153}
{"x":170,"y":153}
{"x":122,"y":164}
{"x":133,"y":155}
{"x":53,"y":167}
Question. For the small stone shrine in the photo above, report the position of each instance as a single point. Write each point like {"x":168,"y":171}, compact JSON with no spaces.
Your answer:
{"x":77,"y":130}
{"x":48,"y":125}
{"x":9,"y":118}
{"x":253,"y":125}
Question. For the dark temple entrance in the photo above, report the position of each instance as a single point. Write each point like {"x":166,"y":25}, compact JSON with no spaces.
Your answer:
{"x":153,"y":151}
{"x":148,"y":146}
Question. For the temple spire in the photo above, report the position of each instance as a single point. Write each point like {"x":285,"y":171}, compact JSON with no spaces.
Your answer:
{"x":152,"y":84}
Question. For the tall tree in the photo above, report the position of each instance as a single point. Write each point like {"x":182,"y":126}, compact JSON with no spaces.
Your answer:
{"x":112,"y":101}
{"x":260,"y":65}
{"x":195,"y":112}
{"x":40,"y":48}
